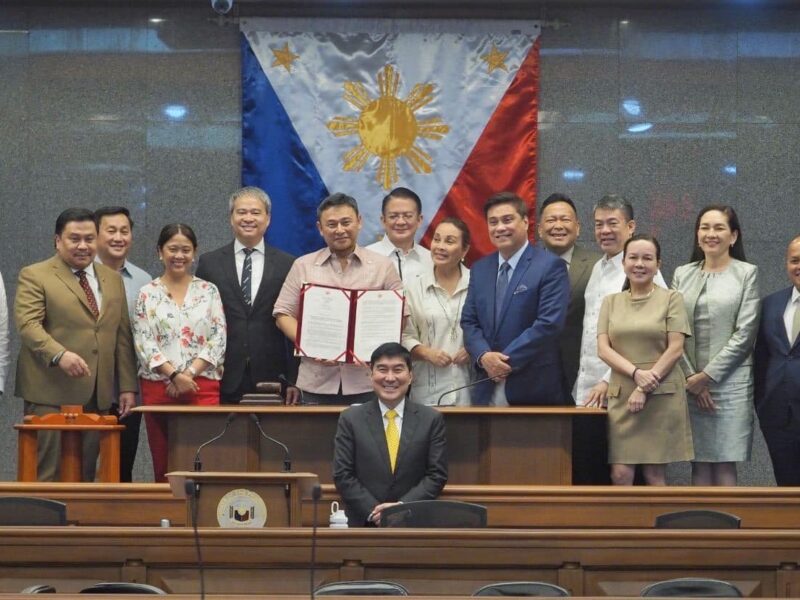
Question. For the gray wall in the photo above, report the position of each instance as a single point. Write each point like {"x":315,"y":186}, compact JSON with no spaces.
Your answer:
{"x":86,"y":97}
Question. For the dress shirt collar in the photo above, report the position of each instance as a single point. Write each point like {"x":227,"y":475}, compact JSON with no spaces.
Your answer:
{"x":514,"y":260}
{"x":567,"y":256}
{"x":795,"y":296}
{"x":387,"y":248}
{"x":615,"y":260}
{"x":239,"y":246}
{"x":428,"y":280}
{"x":325,"y":255}
{"x":399,"y":409}
{"x":124,"y":271}
{"x":89,"y":270}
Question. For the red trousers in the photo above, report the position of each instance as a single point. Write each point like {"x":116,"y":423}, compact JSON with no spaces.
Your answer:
{"x":155,"y":393}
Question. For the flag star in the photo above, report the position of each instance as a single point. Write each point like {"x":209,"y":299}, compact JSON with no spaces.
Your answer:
{"x":495,"y":59}
{"x":284,"y":57}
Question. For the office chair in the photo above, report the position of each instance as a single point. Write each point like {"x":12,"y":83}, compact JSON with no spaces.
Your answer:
{"x":24,"y":510}
{"x":521,"y":588}
{"x":692,"y":587}
{"x":434,"y":513}
{"x":361,"y":588}
{"x":698,"y":519}
{"x":122,"y":587}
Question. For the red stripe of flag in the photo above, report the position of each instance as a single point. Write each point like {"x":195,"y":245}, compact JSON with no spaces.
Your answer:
{"x":503,"y":159}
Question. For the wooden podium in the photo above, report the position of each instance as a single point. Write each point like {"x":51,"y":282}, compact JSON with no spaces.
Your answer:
{"x":243,"y":500}
{"x":518,"y":445}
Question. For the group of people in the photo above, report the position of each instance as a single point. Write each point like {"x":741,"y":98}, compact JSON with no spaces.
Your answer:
{"x":544,"y":324}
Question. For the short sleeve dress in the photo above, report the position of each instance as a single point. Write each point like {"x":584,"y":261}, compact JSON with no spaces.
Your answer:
{"x":637,"y":329}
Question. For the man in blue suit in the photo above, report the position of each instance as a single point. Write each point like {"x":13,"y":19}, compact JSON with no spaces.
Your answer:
{"x":514,"y":312}
{"x":777,"y":373}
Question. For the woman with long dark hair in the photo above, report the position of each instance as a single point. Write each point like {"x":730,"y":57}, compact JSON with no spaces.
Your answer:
{"x":720,"y":291}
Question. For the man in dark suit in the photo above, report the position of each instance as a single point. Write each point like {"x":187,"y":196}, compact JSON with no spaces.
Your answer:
{"x":388,"y":450}
{"x":249,"y":275}
{"x":73,"y":323}
{"x":559,"y":228}
{"x":514,"y":312}
{"x":777,"y":373}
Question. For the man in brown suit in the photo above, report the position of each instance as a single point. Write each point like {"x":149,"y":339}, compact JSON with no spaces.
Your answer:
{"x":73,"y":321}
{"x":559,"y":228}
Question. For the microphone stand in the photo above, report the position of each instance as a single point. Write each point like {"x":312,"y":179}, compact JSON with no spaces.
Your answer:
{"x":463,"y":387}
{"x":287,"y":461}
{"x":198,"y":466}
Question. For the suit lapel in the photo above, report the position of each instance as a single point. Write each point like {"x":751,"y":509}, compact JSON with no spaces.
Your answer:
{"x":65,"y":274}
{"x":578,"y":267}
{"x":410,"y":422}
{"x":266,"y":275}
{"x":375,"y":425}
{"x":516,"y":276}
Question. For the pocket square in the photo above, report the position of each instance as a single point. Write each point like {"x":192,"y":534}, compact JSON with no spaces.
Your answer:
{"x":521,"y":288}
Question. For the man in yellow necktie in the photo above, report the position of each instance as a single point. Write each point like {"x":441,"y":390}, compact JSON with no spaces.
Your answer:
{"x":390,"y":449}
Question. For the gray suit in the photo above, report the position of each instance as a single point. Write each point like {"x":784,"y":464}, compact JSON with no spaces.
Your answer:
{"x":361,"y":468}
{"x":723,"y":311}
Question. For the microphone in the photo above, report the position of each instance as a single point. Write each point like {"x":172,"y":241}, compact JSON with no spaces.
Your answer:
{"x":287,"y":461}
{"x":190,"y":487}
{"x":463,"y":387}
{"x":198,"y":466}
{"x":316,"y":494}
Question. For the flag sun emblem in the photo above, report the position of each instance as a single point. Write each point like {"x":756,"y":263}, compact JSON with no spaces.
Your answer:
{"x":388,"y":127}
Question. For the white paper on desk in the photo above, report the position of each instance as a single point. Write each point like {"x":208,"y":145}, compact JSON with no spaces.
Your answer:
{"x":324,"y":322}
{"x":378,"y":319}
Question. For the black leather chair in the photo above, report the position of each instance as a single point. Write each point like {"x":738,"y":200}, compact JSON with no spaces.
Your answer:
{"x":39,"y":588}
{"x":24,"y":511}
{"x":361,"y":588}
{"x":122,"y":587}
{"x":521,"y":588}
{"x":434,"y":513}
{"x":698,"y":519}
{"x":692,"y":587}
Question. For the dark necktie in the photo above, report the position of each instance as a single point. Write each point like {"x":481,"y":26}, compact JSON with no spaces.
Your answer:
{"x":399,"y":263}
{"x":500,"y":290}
{"x":87,"y":289}
{"x":247,"y":274}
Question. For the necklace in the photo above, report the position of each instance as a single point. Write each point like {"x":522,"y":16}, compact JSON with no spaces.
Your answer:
{"x":452,"y":322}
{"x":646,"y":296}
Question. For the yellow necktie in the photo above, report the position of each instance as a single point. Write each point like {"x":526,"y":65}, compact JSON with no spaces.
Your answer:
{"x":392,"y":437}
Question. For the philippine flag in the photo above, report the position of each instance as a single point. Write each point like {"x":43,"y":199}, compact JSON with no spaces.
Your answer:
{"x":446,"y":108}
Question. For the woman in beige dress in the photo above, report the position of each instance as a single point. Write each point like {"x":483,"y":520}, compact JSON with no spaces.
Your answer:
{"x":640,"y":335}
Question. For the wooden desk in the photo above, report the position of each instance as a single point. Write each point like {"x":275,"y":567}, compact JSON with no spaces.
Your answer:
{"x":428,"y":562}
{"x":485,"y":446}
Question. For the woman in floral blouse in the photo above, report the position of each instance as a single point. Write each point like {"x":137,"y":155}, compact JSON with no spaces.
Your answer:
{"x":179,"y":331}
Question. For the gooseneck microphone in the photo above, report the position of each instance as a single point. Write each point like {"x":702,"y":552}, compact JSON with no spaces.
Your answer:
{"x":287,"y":461}
{"x":198,"y":466}
{"x":190,"y":487}
{"x":316,"y":494}
{"x":463,"y":387}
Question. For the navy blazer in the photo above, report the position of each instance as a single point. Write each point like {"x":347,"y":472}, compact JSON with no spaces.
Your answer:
{"x":361,"y":468}
{"x":532,"y":318}
{"x":777,"y":365}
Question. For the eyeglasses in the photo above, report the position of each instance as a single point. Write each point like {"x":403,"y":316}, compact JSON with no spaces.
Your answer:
{"x":394,"y":217}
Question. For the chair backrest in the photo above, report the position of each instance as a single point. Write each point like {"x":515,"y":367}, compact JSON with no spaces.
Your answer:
{"x":692,"y":587}
{"x":434,"y":513}
{"x":22,"y":510}
{"x":698,"y":519}
{"x":361,"y":588}
{"x":122,"y":587}
{"x":39,"y":588}
{"x":521,"y":588}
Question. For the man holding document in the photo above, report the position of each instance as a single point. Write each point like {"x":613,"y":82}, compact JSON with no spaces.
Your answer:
{"x":322,"y":283}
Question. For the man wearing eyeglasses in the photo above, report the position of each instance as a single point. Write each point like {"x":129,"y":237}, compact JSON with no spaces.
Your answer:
{"x":401,"y":216}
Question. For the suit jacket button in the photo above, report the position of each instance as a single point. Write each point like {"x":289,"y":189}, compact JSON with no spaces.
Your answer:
{"x":94,"y":351}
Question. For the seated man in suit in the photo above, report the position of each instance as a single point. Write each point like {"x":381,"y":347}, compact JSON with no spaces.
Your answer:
{"x":388,"y":450}
{"x":514,"y":312}
{"x":777,"y":373}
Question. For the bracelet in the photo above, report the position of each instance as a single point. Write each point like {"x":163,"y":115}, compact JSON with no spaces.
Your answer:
{"x":173,"y":375}
{"x":633,"y":375}
{"x":639,"y":389}
{"x":192,"y":371}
